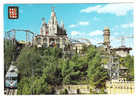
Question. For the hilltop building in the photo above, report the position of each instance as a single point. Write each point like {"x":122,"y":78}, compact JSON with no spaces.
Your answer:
{"x":51,"y":33}
{"x":106,"y":39}
{"x":106,"y":36}
{"x":122,"y":51}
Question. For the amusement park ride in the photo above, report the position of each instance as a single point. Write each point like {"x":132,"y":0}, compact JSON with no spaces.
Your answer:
{"x":11,"y":35}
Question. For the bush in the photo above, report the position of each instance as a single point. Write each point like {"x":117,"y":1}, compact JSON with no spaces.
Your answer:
{"x":65,"y":91}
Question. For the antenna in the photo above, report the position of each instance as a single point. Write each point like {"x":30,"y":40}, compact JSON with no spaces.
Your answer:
{"x":122,"y":39}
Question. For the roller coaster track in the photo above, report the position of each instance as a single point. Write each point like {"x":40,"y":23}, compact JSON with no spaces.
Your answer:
{"x":10,"y":91}
{"x":81,"y":40}
{"x":13,"y":33}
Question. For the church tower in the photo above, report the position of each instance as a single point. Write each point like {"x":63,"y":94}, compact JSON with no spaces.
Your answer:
{"x":62,"y":24}
{"x":106,"y":36}
{"x":107,"y":39}
{"x":51,"y":34}
{"x":44,"y":28}
{"x":53,"y":23}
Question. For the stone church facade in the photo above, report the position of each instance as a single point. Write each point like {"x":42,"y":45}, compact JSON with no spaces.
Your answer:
{"x":51,"y":33}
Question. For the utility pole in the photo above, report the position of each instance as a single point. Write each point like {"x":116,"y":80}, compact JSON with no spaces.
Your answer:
{"x":113,"y":65}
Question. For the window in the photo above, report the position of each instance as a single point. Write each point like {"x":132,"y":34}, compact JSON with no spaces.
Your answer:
{"x":13,"y":78}
{"x":39,"y":40}
{"x":45,"y":40}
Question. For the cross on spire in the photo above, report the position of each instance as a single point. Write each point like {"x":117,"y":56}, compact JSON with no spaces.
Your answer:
{"x":52,"y":9}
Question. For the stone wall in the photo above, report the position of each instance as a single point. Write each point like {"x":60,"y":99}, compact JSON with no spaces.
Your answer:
{"x":75,"y":89}
{"x":120,"y":87}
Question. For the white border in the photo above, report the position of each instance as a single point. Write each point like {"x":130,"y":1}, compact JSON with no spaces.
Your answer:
{"x":67,"y":1}
{"x":82,"y":97}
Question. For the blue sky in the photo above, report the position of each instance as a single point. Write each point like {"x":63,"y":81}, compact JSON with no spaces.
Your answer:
{"x":80,"y":20}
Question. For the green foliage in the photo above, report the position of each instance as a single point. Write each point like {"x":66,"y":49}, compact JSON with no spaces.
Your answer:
{"x":74,"y":70}
{"x":65,"y":91}
{"x":96,"y":73}
{"x":59,"y":71}
{"x":66,"y":69}
{"x":56,"y":52}
{"x":9,"y":53}
{"x":128,"y":62}
{"x":40,"y":67}
{"x":53,"y":74}
{"x":34,"y":85}
{"x":24,"y":87}
{"x":45,"y":68}
{"x":29,"y":62}
{"x":91,"y":52}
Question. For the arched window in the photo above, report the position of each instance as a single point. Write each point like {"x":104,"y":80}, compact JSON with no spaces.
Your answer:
{"x":45,"y":40}
{"x":52,"y":42}
{"x":39,"y":40}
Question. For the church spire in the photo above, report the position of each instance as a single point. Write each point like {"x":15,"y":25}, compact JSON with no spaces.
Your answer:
{"x":53,"y":12}
{"x":53,"y":19}
{"x":62,"y":23}
{"x":43,"y":20}
{"x":52,"y":9}
{"x":43,"y":28}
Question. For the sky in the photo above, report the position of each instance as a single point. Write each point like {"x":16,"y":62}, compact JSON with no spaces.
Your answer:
{"x":80,"y":20}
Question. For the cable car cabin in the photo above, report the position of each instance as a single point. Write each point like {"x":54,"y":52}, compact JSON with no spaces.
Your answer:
{"x":11,"y":77}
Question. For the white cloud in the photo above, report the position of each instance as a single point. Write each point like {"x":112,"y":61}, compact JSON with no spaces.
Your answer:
{"x":96,"y":41}
{"x":72,"y":25}
{"x":117,"y":9}
{"x":73,"y":33}
{"x":91,"y":9}
{"x":127,"y":25}
{"x":83,"y":23}
{"x":96,"y":32}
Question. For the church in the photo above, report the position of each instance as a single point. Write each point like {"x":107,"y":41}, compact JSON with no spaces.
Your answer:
{"x":51,"y":33}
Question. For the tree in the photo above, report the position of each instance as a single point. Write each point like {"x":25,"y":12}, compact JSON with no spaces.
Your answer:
{"x":29,"y":62}
{"x":56,"y":52}
{"x":24,"y":86}
{"x":34,"y":85}
{"x":96,"y":73}
{"x":91,"y":52}
{"x":9,"y":53}
{"x":52,"y":71}
{"x":65,"y":91}
{"x":44,"y":69}
{"x":74,"y":70}
{"x":129,"y":63}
